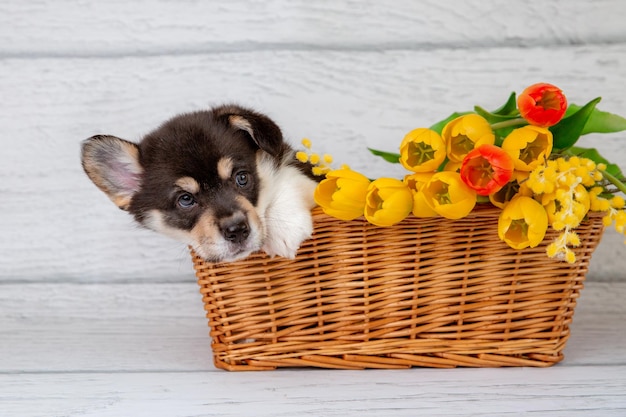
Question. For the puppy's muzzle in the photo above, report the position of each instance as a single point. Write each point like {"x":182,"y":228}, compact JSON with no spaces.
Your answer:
{"x":235,"y":229}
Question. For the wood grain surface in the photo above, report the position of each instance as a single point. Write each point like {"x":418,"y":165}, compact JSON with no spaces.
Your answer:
{"x":143,"y":349}
{"x":162,"y":27}
{"x":100,"y":318}
{"x":55,"y":223}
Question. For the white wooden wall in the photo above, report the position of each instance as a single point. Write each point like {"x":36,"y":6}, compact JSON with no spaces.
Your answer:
{"x":347,"y":74}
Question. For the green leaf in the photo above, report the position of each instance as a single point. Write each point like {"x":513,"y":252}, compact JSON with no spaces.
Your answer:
{"x":569,"y":129}
{"x":506,"y":112}
{"x":438,"y":127}
{"x":387,"y":156}
{"x":594,"y":155}
{"x":600,"y":121}
{"x":493,"y":117}
{"x":508,"y":108}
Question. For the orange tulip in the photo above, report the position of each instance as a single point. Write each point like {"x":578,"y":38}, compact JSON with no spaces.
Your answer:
{"x":542,"y":104}
{"x":486,"y":169}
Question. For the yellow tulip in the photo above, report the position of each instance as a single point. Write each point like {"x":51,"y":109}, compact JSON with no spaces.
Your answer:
{"x":512,"y":189}
{"x":388,"y":201}
{"x":448,"y":195}
{"x":342,"y":194}
{"x":421,"y":207}
{"x":465,"y":133}
{"x":529,"y":146}
{"x":416,"y":182}
{"x":523,"y":223}
{"x":422,"y":150}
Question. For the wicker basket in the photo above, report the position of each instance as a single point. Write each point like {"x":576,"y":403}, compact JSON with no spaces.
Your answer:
{"x":426,"y":292}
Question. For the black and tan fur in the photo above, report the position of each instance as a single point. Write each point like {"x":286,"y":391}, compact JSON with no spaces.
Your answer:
{"x":221,"y":180}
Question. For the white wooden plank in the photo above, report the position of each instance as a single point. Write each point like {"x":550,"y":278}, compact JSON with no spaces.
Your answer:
{"x":598,"y":332}
{"x":161,"y":327}
{"x":104,"y":328}
{"x":559,"y":391}
{"x":57,"y":226}
{"x":53,"y":27}
{"x":111,"y":350}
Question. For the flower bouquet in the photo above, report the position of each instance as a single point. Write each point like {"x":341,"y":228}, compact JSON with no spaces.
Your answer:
{"x":464,"y":281}
{"x":520,"y":158}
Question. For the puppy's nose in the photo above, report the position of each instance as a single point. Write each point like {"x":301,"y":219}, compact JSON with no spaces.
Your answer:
{"x":235,"y":231}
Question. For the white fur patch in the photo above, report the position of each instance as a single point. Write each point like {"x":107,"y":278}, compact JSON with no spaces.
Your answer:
{"x":284,"y":206}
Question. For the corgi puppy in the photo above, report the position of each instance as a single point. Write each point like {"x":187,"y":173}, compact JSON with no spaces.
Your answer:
{"x":222,"y":181}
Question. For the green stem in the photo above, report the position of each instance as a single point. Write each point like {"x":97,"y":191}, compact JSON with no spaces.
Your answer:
{"x":509,"y":123}
{"x":614,"y":180}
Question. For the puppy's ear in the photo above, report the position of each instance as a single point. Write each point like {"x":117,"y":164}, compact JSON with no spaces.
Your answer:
{"x":113,"y":165}
{"x":263,"y":131}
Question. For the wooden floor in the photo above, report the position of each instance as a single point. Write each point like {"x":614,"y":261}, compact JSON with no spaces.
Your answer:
{"x":127,"y":349}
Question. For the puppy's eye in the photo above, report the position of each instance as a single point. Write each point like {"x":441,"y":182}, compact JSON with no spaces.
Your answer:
{"x":186,"y":200}
{"x":242,"y":178}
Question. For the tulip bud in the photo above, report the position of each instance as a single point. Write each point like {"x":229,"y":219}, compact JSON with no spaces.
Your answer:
{"x":542,"y":104}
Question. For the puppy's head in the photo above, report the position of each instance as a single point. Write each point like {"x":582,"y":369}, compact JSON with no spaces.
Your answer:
{"x":197,"y":178}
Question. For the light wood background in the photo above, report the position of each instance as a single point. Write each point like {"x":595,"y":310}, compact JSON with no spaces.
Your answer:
{"x":347,"y":74}
{"x":100,"y":318}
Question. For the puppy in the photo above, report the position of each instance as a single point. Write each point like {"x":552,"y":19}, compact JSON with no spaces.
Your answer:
{"x":222,"y":181}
